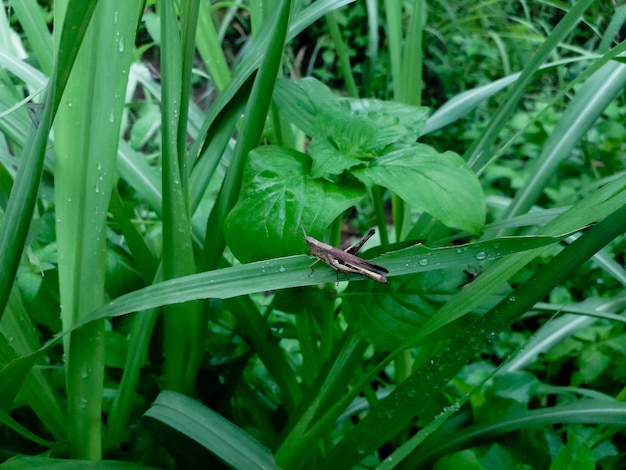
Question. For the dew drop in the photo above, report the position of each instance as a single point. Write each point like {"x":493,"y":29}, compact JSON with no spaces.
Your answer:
{"x":423,"y":262}
{"x":481,"y":255}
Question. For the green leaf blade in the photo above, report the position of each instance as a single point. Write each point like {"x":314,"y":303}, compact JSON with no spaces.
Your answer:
{"x":440,"y":184}
{"x":212,"y":431}
{"x":278,"y":195}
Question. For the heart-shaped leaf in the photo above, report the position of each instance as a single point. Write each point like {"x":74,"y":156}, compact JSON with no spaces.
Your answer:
{"x":278,"y":195}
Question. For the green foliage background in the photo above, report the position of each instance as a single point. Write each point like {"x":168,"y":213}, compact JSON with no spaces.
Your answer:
{"x":159,"y":160}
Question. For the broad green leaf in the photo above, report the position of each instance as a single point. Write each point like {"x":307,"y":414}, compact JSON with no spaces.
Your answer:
{"x":384,"y":316}
{"x":576,"y":454}
{"x":313,"y":108}
{"x":278,"y":195}
{"x":440,"y":184}
{"x":307,"y":103}
{"x":405,"y":120}
{"x":343,"y":128}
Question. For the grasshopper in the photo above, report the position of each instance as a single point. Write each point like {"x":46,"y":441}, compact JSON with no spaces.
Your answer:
{"x":345,"y":261}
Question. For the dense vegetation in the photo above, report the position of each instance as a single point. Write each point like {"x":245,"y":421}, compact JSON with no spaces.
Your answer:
{"x":160,"y":160}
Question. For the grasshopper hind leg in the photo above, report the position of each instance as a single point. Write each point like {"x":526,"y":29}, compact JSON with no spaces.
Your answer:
{"x":313,"y":264}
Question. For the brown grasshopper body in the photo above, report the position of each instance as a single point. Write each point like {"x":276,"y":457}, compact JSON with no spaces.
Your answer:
{"x":346,"y":261}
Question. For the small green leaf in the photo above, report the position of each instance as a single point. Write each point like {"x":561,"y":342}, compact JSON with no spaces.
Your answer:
{"x":576,"y":454}
{"x":440,"y":184}
{"x":592,"y":363}
{"x":146,"y":126}
{"x":327,"y":159}
{"x":277,"y":196}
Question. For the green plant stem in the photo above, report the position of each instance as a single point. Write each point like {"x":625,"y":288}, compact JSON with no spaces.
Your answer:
{"x":411,"y":87}
{"x":87,"y":132}
{"x":254,"y":329}
{"x":249,"y":137}
{"x":188,"y":25}
{"x":379,"y":211}
{"x":372,"y":47}
{"x":393,"y":13}
{"x":342,"y":55}
{"x":327,"y":388}
{"x":209,"y":47}
{"x":183,"y":323}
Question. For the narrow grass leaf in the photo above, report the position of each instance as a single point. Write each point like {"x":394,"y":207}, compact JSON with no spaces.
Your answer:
{"x":23,"y":462}
{"x":87,"y":131}
{"x":479,"y":153}
{"x":250,"y":134}
{"x":395,"y":411}
{"x":24,"y":193}
{"x":582,"y":412}
{"x":29,"y":14}
{"x":10,"y":423}
{"x":20,"y":337}
{"x":586,"y":107}
{"x":231,"y":444}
